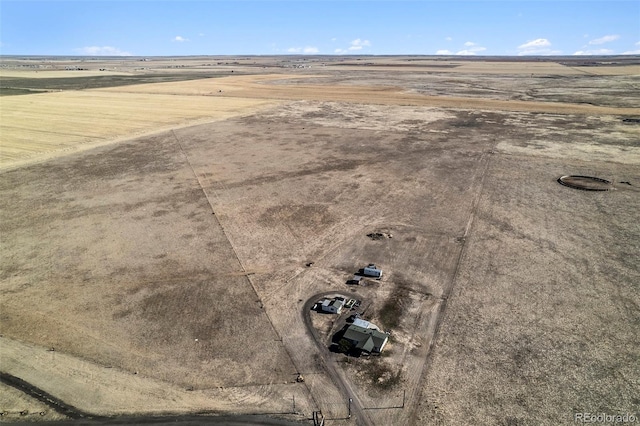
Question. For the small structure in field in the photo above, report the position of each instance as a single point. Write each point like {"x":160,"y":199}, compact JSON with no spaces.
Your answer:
{"x":332,"y":306}
{"x":365,"y":340}
{"x":372,"y":271}
{"x":355,"y":280}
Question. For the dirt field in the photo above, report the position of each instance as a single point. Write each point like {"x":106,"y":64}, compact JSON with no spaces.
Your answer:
{"x":167,"y":269}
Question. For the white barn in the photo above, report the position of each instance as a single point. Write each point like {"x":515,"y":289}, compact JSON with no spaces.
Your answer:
{"x":332,"y":306}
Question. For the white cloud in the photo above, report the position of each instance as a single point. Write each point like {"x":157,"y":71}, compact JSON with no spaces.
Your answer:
{"x":309,"y":50}
{"x":201,"y":34}
{"x":102,"y":51}
{"x":468,"y":52}
{"x":605,"y":39}
{"x":334,"y":39}
{"x":180,"y":39}
{"x":448,"y":38}
{"x":539,"y":46}
{"x":358,"y":44}
{"x":443,"y":52}
{"x":638,"y":43}
{"x":631,"y":52}
{"x":354,"y":46}
{"x":594,"y":52}
{"x":539,"y":42}
{"x":472,"y":49}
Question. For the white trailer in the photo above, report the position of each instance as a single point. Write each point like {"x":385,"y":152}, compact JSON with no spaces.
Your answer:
{"x":372,"y":271}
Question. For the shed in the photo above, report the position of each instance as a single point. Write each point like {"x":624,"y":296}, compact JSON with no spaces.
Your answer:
{"x":355,"y":280}
{"x":332,"y":306}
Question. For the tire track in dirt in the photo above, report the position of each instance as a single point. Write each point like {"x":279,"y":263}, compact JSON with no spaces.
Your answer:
{"x":85,"y":418}
{"x":56,"y":404}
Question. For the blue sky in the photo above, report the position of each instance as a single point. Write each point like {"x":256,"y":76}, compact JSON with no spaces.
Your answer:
{"x":148,"y":27}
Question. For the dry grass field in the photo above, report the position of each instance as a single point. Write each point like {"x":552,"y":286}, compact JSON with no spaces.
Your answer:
{"x":157,"y":237}
{"x":48,"y":123}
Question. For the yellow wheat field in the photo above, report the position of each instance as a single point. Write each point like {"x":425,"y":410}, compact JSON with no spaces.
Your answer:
{"x":40,"y":124}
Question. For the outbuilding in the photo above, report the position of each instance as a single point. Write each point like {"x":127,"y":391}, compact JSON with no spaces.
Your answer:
{"x":355,"y":280}
{"x":332,"y":306}
{"x":372,"y":271}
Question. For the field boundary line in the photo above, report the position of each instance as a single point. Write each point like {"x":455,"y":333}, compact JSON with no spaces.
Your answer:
{"x":244,"y":270}
{"x":224,"y":232}
{"x":448,"y":290}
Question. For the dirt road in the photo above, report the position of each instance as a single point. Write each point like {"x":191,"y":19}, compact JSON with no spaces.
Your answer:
{"x":337,"y":375}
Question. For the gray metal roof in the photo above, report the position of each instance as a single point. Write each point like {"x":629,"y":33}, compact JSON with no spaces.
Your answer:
{"x":366,"y":339}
